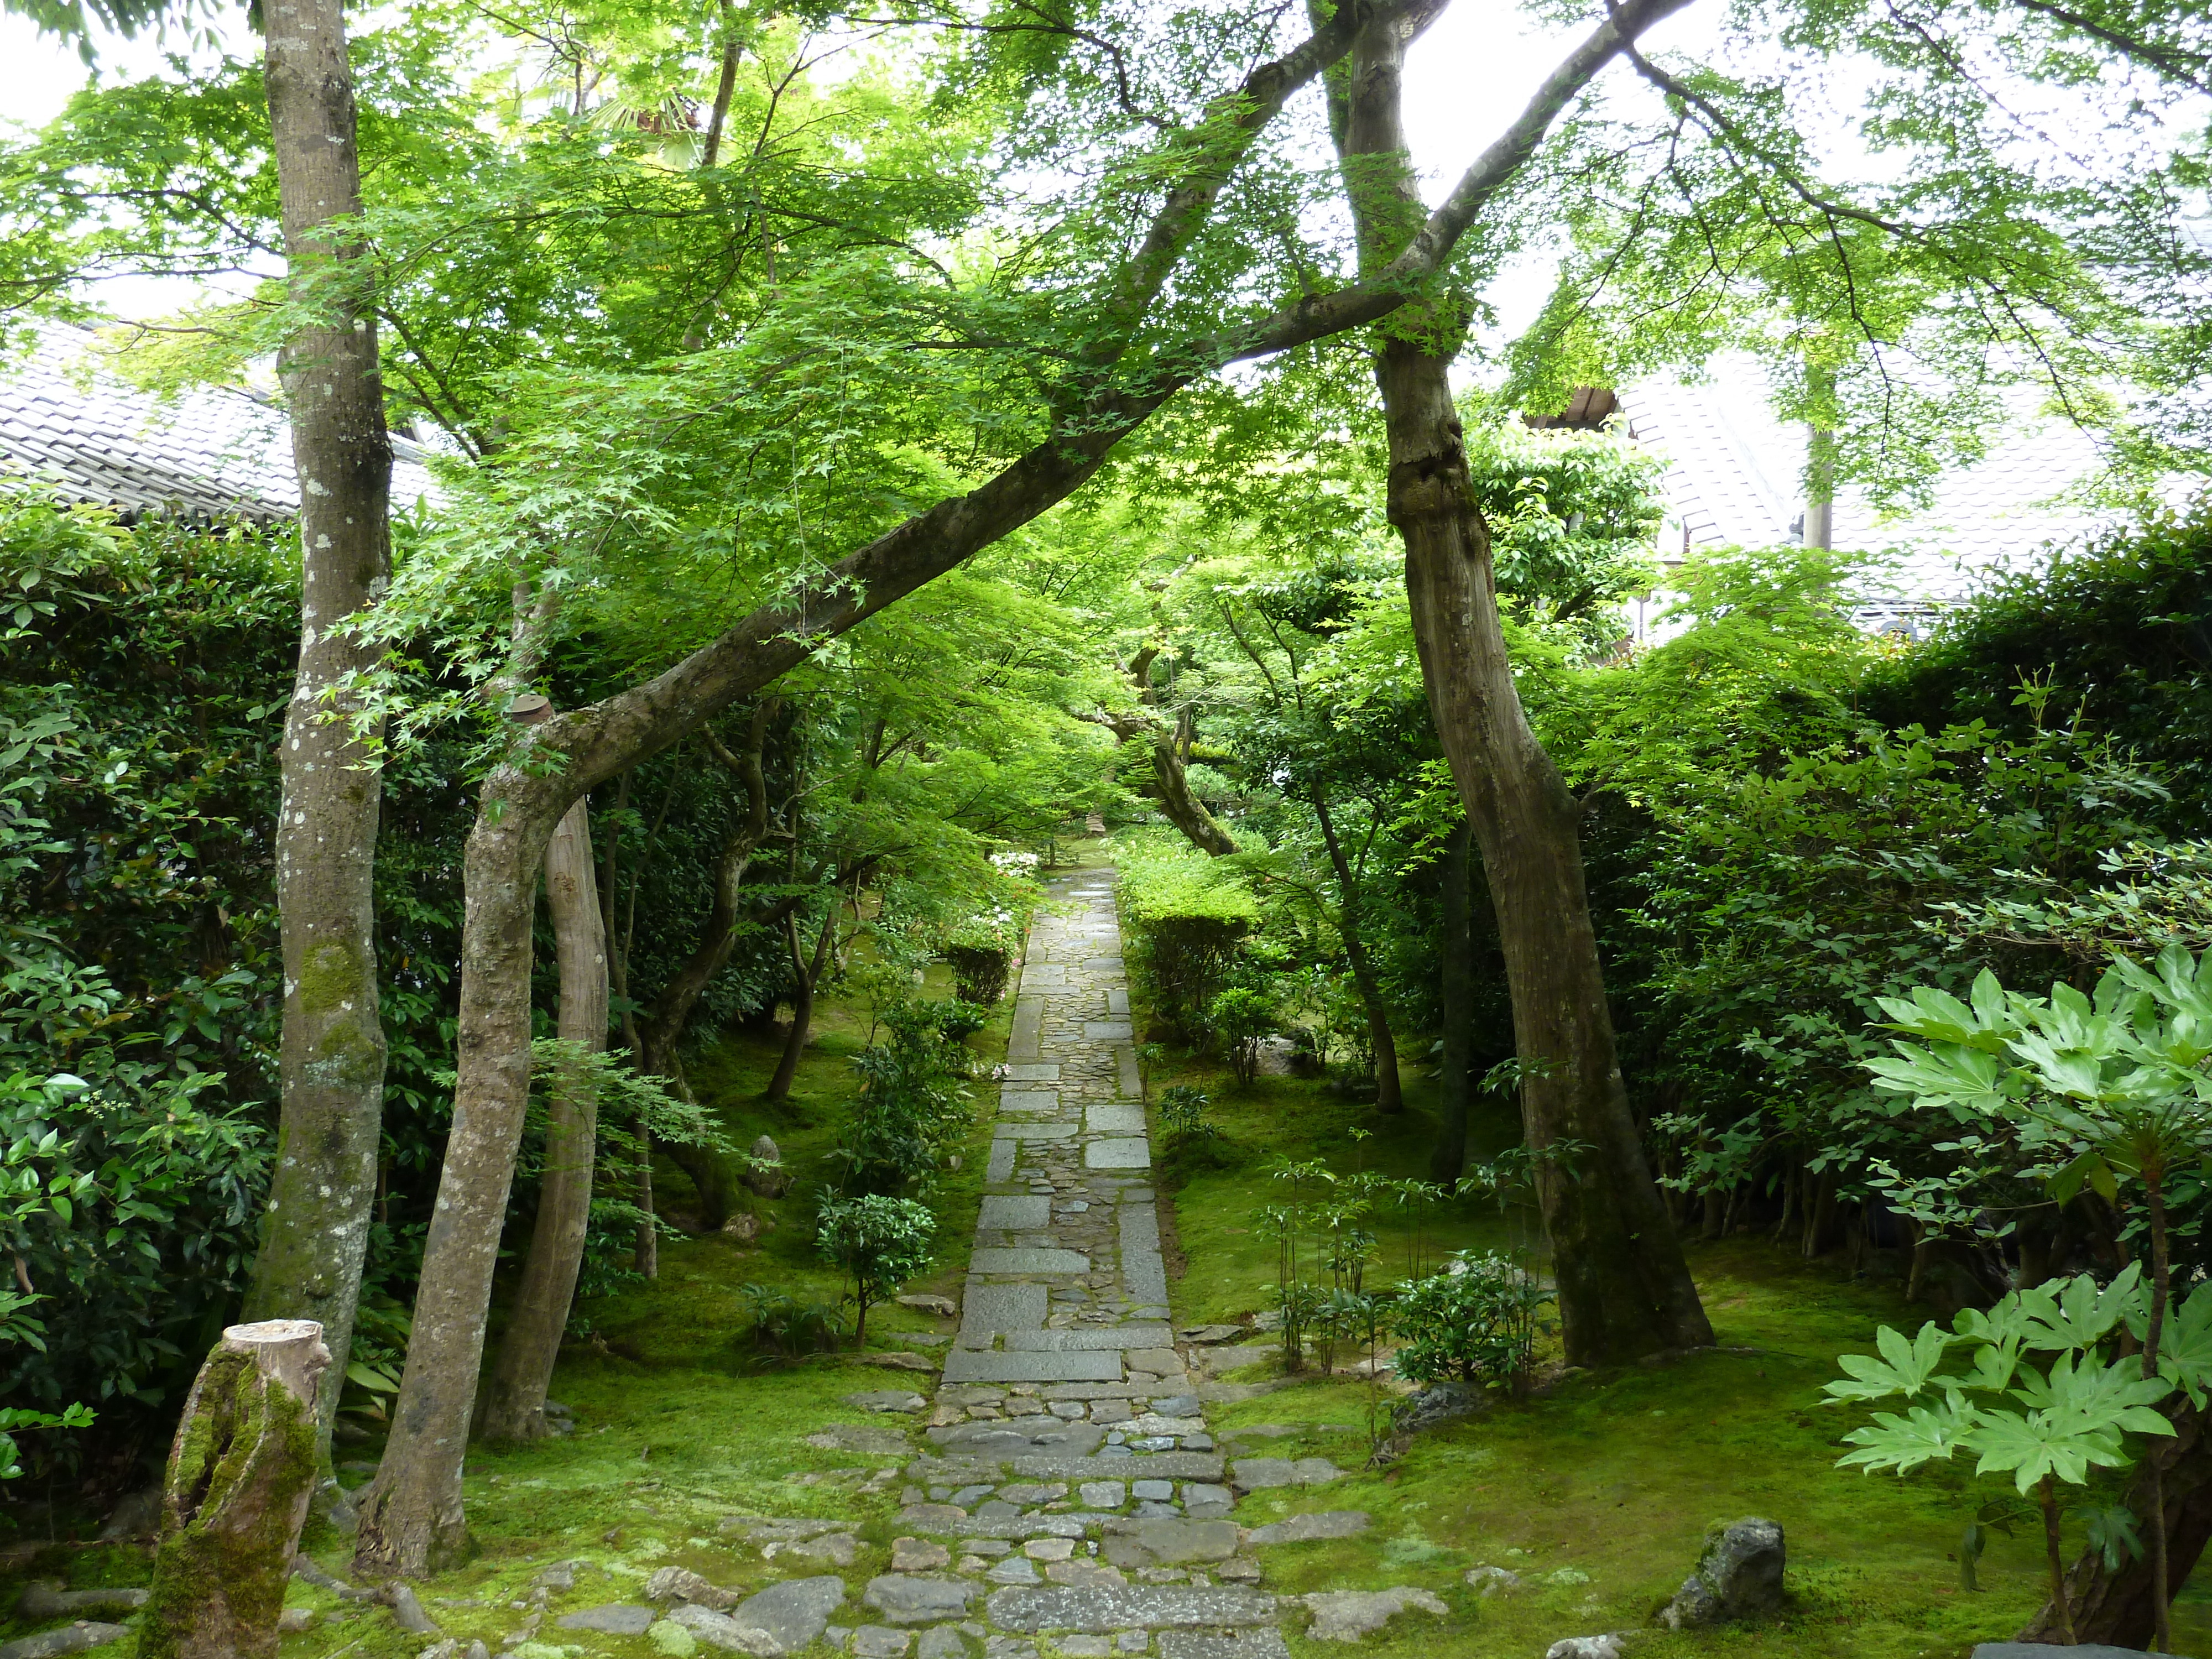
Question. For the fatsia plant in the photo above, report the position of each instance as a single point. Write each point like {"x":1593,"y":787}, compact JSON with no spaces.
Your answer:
{"x":2045,"y":1422}
{"x":2110,"y":1085}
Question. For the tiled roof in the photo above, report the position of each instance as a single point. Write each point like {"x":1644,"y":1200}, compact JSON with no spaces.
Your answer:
{"x":205,"y":453}
{"x":1735,"y":478}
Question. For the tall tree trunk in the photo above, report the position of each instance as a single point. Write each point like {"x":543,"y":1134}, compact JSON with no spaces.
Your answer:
{"x":1624,"y":1287}
{"x":414,"y":1503}
{"x":515,"y":1408}
{"x":802,"y":998}
{"x":1455,"y":1088}
{"x":315,"y":1229}
{"x":240,"y":1474}
{"x":1388,"y":1095}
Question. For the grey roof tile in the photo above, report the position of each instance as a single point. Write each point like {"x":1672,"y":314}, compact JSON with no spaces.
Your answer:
{"x":208,"y":452}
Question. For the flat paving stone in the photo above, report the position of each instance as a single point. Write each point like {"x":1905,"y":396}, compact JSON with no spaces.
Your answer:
{"x":976,"y":1366}
{"x":1262,"y":1641}
{"x":1117,"y":1118}
{"x":1103,"y":1609}
{"x":1167,"y":1466}
{"x":1001,"y":1169}
{"x":907,"y":1599}
{"x":994,"y":1309}
{"x":1077,"y":1337}
{"x":1003,"y":1131}
{"x":1028,"y":1100}
{"x":1303,"y":1528}
{"x":1119,"y":1153}
{"x":1129,"y":1076}
{"x":1029,"y":1261}
{"x":1106,"y":1030}
{"x":612,"y":1620}
{"x":1004,"y":1213}
{"x":1047,"y":1071}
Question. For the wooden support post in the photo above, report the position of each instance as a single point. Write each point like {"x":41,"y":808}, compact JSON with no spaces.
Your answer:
{"x":240,"y":1476}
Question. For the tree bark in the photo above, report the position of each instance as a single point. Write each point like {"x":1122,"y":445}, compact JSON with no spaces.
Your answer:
{"x":1455,"y":1088}
{"x":240,"y":1474}
{"x":515,"y":1407}
{"x":315,"y":1228}
{"x":1170,"y":756}
{"x":1624,"y":1287}
{"x":806,"y":974}
{"x":416,"y":1501}
{"x":1388,"y":1095}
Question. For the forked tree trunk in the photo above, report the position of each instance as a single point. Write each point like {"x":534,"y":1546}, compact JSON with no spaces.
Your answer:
{"x":1171,"y":755}
{"x":514,"y":1405}
{"x":1624,"y":1287}
{"x":1456,"y":1088}
{"x":1388,"y":1095}
{"x":315,"y":1229}
{"x":240,"y":1474}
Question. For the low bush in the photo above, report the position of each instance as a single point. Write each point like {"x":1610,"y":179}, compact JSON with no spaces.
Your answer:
{"x":880,"y":1242}
{"x":1477,"y":1321}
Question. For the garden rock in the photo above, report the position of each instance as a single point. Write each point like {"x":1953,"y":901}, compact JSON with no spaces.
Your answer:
{"x":1440,"y":1402}
{"x":614,"y":1620}
{"x":882,"y":1642}
{"x":1587,"y":1647}
{"x":1353,"y":1615}
{"x":44,"y":1598}
{"x":782,"y":1618}
{"x":942,"y":1641}
{"x":1169,"y":1542}
{"x":69,"y":1638}
{"x":1739,"y":1576}
{"x":839,"y":1549}
{"x":1493,"y":1581}
{"x":944,"y":1307}
{"x":886,"y":1399}
{"x":682,"y":1584}
{"x":1303,"y":1528}
{"x":900,"y":1362}
{"x":905,"y":1600}
{"x":913,"y":1555}
{"x":769,"y":1183}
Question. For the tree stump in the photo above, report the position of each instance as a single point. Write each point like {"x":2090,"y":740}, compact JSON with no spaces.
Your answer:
{"x":240,"y":1477}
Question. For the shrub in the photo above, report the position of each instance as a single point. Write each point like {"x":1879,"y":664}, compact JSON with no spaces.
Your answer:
{"x":1477,"y":1321}
{"x":913,"y":1095}
{"x":980,"y":971}
{"x":881,"y":1243}
{"x":1186,"y":920}
{"x":778,"y":1322}
{"x":1239,"y":1018}
{"x":1183,"y":1114}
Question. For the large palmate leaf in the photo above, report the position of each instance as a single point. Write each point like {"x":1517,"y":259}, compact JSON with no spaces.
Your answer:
{"x":1923,"y":1435}
{"x":2076,"y":1313}
{"x":1904,"y":1368}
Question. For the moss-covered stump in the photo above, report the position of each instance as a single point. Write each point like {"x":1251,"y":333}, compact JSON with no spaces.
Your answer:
{"x":240,"y":1474}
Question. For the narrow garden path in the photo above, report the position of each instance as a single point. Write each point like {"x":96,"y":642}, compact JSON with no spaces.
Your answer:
{"x":1063,"y":1494}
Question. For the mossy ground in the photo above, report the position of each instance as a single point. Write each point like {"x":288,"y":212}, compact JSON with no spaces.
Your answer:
{"x":1598,"y":1492}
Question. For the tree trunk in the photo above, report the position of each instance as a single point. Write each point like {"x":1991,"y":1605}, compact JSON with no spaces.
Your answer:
{"x":1624,"y":1287}
{"x":1456,"y":1088}
{"x":1388,"y":1097}
{"x":315,"y":1229}
{"x":802,"y":1000}
{"x":2116,"y":1608}
{"x":515,"y":1408}
{"x":414,"y":1503}
{"x":1171,"y":750}
{"x":240,"y":1474}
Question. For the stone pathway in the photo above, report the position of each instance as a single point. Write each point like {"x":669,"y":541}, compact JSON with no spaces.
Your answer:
{"x":1070,"y":1499}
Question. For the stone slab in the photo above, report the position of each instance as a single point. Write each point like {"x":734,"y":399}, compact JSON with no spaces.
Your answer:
{"x":1305,"y":1529}
{"x":1144,"y":1271}
{"x":1028,"y":1100}
{"x":1156,"y":1465}
{"x":1103,"y":1609}
{"x":1035,"y":1072}
{"x":971,"y":1365}
{"x":1079,"y":1337}
{"x":1107,"y":1030}
{"x":1121,"y":1152}
{"x":1004,"y":1213}
{"x":1003,"y":1131}
{"x":1130,"y":1078}
{"x":1117,"y":1000}
{"x":1000,"y":1169}
{"x":1103,"y":964}
{"x":1259,"y":1642}
{"x":989,"y":1261}
{"x":907,"y":1599}
{"x":1028,"y":1035}
{"x":991,"y":1309}
{"x":614,"y":1620}
{"x":1117,"y":1118}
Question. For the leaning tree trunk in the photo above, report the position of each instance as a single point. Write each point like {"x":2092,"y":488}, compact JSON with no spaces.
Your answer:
{"x":1184,"y":809}
{"x":1456,"y":1088}
{"x":1388,"y":1092}
{"x":240,"y":1474}
{"x":315,"y":1229}
{"x":1624,"y":1287}
{"x":515,"y":1407}
{"x":802,"y":998}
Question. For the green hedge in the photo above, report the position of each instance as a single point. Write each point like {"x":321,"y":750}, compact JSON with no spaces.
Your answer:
{"x":1184,"y":919}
